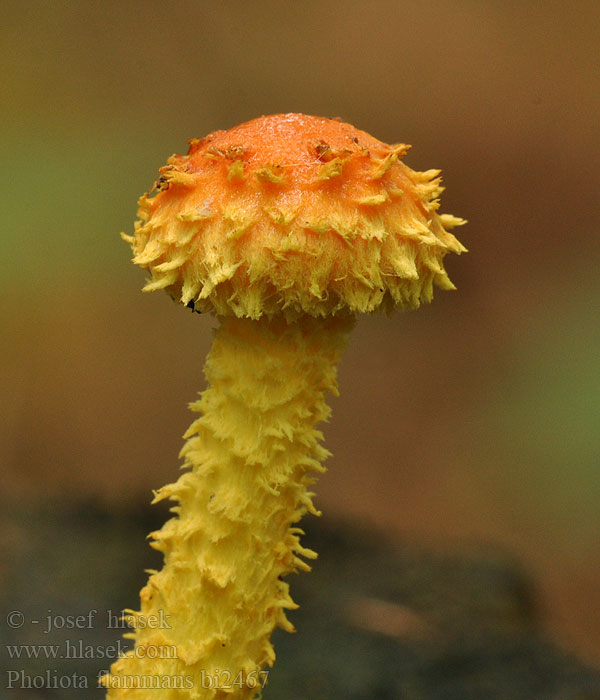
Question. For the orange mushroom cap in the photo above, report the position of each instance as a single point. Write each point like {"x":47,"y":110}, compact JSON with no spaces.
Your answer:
{"x":291,"y":214}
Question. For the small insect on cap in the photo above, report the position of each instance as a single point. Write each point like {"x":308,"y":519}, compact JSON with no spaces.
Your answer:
{"x":291,"y":214}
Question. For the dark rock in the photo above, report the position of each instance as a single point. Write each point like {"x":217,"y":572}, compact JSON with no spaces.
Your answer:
{"x":377,"y":621}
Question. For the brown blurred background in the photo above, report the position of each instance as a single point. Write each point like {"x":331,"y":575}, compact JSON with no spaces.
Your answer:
{"x":473,"y":420}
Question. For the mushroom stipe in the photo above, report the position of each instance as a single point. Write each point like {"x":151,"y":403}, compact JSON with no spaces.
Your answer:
{"x":284,"y":227}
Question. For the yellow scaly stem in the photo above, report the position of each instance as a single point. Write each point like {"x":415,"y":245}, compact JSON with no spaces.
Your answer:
{"x":250,"y":457}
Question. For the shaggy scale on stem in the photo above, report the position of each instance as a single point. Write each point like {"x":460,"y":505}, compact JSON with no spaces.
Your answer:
{"x":250,"y":457}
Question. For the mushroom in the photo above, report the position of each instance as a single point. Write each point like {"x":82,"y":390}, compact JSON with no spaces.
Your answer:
{"x":284,"y":227}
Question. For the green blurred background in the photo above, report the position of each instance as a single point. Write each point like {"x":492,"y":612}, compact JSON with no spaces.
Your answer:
{"x":476,"y":419}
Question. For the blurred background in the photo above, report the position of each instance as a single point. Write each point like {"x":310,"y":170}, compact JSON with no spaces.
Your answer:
{"x":474,"y":421}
